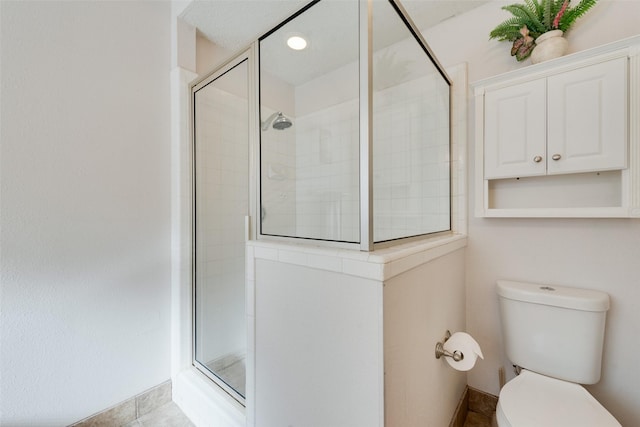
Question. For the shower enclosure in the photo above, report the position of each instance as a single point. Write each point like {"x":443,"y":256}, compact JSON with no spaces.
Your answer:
{"x":366,"y":160}
{"x":348,"y":139}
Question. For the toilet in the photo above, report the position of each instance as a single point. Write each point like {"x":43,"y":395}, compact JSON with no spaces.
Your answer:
{"x":554,"y":336}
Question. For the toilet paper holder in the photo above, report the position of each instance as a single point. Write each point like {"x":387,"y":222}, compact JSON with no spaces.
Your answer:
{"x":440,"y":351}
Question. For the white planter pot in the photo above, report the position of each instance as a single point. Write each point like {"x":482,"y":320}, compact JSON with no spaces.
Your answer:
{"x":548,"y":46}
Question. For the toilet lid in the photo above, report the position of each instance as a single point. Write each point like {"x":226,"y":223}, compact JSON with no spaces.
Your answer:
{"x":534,"y":400}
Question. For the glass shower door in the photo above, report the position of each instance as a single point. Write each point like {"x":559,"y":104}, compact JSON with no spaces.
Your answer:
{"x":221,"y":169}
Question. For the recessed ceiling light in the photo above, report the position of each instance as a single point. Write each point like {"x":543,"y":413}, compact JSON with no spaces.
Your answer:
{"x":296,"y":42}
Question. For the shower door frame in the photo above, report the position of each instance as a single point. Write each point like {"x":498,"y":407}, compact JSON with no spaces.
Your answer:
{"x":367,"y":238}
{"x":248,"y":56}
{"x":369,"y":244}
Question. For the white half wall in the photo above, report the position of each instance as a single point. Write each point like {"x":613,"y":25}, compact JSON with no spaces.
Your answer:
{"x":346,"y":338}
{"x":597,"y":254}
{"x":85,"y":181}
{"x":318,"y":345}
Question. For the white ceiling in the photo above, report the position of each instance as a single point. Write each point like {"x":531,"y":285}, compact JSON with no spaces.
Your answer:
{"x":234,"y":24}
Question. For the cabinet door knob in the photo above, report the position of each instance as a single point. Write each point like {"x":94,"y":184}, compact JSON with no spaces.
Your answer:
{"x":537,"y":159}
{"x":556,"y":157}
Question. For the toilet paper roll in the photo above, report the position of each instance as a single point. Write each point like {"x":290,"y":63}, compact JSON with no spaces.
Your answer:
{"x":465,"y":344}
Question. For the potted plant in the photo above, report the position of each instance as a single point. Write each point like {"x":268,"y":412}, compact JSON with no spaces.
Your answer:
{"x":536,"y":18}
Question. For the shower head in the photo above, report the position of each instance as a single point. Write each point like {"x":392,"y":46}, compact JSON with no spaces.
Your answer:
{"x":282,"y":122}
{"x":279,"y":121}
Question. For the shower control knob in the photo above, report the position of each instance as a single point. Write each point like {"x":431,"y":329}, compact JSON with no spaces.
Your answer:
{"x":537,"y":159}
{"x":556,"y":157}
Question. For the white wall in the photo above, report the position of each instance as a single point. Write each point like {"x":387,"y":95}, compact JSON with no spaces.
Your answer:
{"x":598,"y":254}
{"x":420,"y":305}
{"x":85,"y":183}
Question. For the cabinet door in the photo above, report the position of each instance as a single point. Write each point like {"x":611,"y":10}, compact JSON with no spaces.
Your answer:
{"x":515,"y":131}
{"x":587,"y":116}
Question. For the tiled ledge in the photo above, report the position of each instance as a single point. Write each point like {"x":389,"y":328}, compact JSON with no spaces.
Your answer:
{"x":379,"y":265}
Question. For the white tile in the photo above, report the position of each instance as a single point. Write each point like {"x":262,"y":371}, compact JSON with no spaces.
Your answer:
{"x":362,"y":269}
{"x":251,"y":334}
{"x":250,"y":271}
{"x":250,"y":396}
{"x":266,"y":253}
{"x":404,"y":264}
{"x":323,"y":262}
{"x":292,"y":257}
{"x":250,"y":297}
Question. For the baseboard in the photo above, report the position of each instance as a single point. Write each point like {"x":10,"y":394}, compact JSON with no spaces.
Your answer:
{"x":131,"y":409}
{"x":204,"y":402}
{"x":460,"y":415}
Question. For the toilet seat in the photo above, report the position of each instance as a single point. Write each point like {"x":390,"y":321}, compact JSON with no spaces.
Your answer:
{"x":535,"y":400}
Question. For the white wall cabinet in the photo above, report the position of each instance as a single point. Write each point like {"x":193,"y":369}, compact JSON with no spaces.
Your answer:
{"x":560,"y":138}
{"x":571,"y":122}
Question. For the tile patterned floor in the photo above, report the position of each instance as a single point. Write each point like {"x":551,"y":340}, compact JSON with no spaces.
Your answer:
{"x":168,"y":415}
{"x":475,"y":419}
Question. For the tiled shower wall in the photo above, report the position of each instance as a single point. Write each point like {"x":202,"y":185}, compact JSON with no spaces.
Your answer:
{"x":327,"y":164}
{"x":410,"y":165}
{"x":279,"y":178}
{"x":411,"y":159}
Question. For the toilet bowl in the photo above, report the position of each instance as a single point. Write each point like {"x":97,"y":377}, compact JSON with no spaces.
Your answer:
{"x":535,"y":400}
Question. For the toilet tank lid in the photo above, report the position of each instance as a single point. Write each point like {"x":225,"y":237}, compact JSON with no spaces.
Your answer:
{"x":557,"y":296}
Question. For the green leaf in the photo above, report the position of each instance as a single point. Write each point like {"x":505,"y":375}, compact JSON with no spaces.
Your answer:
{"x":507,"y":30}
{"x":532,"y":5}
{"x":572,"y":14}
{"x":539,"y":10}
{"x":548,"y":17}
{"x":526,"y":16}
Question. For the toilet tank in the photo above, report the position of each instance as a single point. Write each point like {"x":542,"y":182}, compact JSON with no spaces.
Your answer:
{"x":554,"y":330}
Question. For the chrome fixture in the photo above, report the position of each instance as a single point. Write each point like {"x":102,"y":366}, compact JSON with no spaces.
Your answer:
{"x":279,"y":121}
{"x":440,"y":351}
